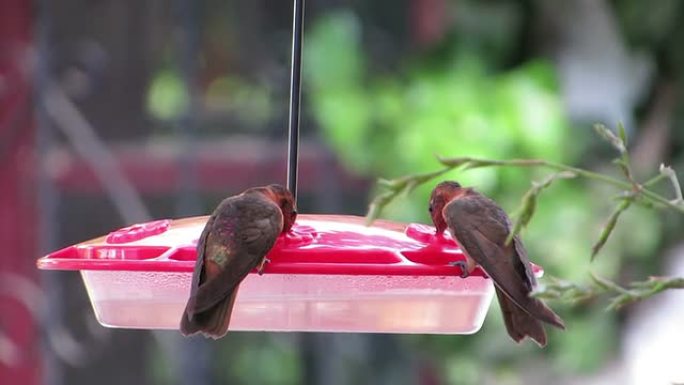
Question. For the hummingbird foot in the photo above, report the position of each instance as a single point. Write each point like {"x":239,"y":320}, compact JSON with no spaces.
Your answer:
{"x":464,"y":267}
{"x":260,"y":268}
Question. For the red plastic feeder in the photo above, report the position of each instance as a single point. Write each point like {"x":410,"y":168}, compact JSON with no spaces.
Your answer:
{"x":330,"y":273}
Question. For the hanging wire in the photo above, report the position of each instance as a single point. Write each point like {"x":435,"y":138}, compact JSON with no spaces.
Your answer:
{"x":295,"y":96}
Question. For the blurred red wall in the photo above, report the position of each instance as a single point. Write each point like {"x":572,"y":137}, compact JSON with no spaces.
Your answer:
{"x":19,"y":338}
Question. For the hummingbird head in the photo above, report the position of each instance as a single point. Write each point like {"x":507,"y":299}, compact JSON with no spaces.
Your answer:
{"x":442,"y":194}
{"x":284,"y":199}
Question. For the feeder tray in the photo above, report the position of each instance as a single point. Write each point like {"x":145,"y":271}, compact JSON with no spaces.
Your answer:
{"x":330,"y":273}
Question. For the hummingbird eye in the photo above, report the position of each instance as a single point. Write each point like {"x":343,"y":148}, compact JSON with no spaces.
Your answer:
{"x":430,"y":208}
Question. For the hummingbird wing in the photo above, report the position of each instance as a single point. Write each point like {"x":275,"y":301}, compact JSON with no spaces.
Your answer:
{"x":236,"y":238}
{"x":481,"y":227}
{"x":201,"y":247}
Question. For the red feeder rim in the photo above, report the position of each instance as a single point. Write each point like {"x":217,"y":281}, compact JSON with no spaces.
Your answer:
{"x":317,"y":244}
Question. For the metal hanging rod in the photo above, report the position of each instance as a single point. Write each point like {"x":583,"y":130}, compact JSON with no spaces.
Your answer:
{"x":295,"y":96}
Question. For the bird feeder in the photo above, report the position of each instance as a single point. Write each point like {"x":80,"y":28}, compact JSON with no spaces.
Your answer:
{"x":329,"y":273}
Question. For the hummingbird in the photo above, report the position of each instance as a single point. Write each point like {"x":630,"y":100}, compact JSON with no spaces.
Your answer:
{"x":481,"y":227}
{"x":236,"y":239}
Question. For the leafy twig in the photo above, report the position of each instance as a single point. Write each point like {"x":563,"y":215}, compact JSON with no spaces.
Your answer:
{"x":632,"y":192}
{"x":529,"y":202}
{"x":557,"y":289}
{"x":400,"y":184}
{"x":396,"y":187}
{"x":620,"y":144}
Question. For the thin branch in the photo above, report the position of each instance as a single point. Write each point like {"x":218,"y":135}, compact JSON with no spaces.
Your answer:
{"x":557,"y":289}
{"x":654,"y":180}
{"x":553,"y":288}
{"x":409,"y":182}
{"x":469,"y":163}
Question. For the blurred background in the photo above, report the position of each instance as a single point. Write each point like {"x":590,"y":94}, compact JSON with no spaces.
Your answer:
{"x":119,"y":111}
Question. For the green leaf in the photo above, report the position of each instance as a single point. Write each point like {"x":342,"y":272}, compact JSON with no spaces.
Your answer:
{"x":609,"y":226}
{"x":623,"y":134}
{"x":610,"y":137}
{"x":670,"y":173}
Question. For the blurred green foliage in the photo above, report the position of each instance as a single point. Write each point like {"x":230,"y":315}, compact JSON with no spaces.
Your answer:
{"x":248,"y":102}
{"x":252,"y":102}
{"x":269,"y":359}
{"x":244,"y":358}
{"x":393,"y":124}
{"x":167,"y":97}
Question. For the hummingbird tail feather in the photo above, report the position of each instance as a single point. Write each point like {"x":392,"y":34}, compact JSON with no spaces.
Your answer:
{"x":188,"y":324}
{"x":549,"y":316}
{"x":213,"y":322}
{"x":519,"y":323}
{"x":221,"y":317}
